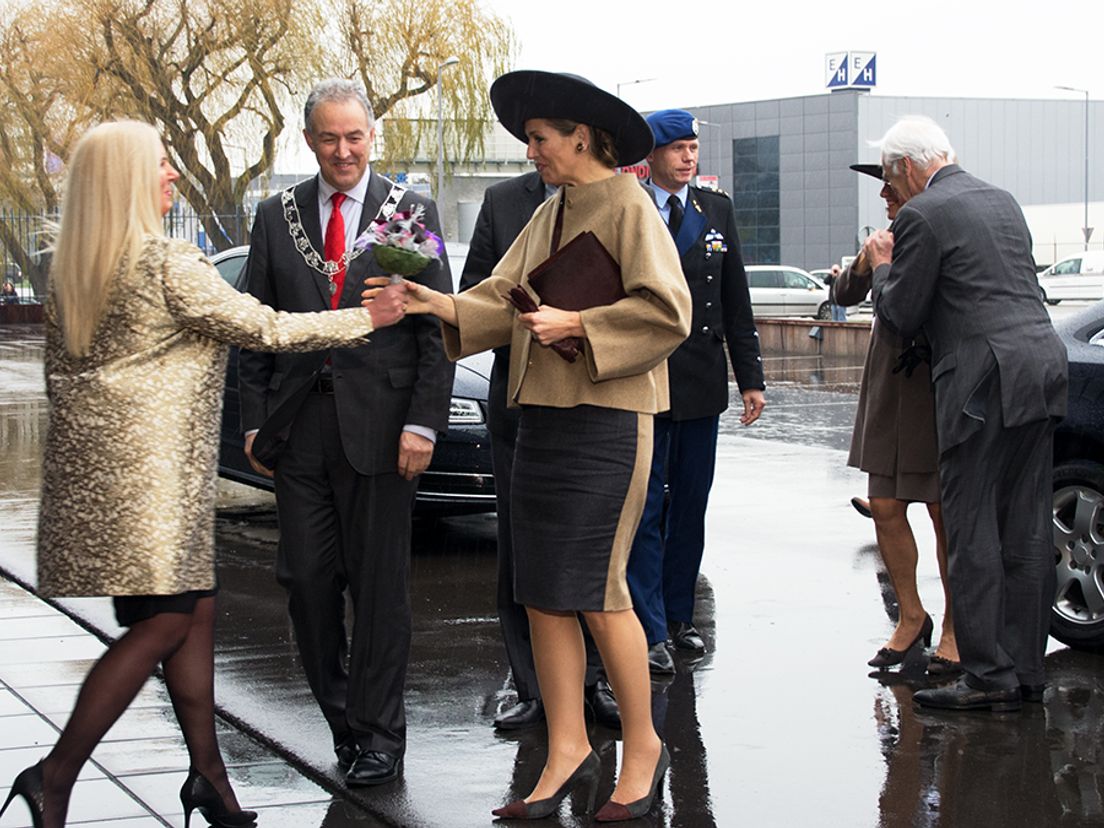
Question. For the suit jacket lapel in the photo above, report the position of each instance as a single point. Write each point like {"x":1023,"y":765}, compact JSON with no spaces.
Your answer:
{"x":364,"y":265}
{"x":306,"y":199}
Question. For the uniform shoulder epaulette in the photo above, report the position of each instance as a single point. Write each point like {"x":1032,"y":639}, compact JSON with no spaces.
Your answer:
{"x":711,"y":191}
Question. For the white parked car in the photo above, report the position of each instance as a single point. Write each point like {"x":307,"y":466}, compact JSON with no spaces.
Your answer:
{"x":781,"y":290}
{"x":1080,"y":276}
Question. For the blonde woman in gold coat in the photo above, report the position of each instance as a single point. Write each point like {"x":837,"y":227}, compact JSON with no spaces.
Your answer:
{"x":136,"y":332}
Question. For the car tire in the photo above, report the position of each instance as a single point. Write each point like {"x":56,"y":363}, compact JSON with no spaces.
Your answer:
{"x":1042,"y":295}
{"x":824,"y":312}
{"x":1077,"y":612}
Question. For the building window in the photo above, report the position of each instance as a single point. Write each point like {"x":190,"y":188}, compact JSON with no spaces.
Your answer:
{"x":755,"y":196}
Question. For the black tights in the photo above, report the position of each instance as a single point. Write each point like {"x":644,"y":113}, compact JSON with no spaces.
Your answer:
{"x":184,"y":644}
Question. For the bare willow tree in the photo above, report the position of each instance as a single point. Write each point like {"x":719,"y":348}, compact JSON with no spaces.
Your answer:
{"x":39,"y":123}
{"x":215,"y":77}
{"x":220,"y":79}
{"x":397,"y":48}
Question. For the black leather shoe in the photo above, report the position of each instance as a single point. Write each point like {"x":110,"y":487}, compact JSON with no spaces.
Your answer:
{"x":346,"y":751}
{"x":600,"y":702}
{"x":373,"y":767}
{"x":961,"y":696}
{"x":528,"y":713}
{"x":685,"y":636}
{"x":660,"y":662}
{"x":1032,"y":693}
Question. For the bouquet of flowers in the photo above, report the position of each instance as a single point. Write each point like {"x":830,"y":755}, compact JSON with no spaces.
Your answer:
{"x":401,"y":244}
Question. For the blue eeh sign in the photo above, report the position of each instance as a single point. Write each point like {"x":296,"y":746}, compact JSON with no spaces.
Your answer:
{"x":850,"y":70}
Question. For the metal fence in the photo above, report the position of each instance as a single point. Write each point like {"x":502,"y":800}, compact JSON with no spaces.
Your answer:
{"x":24,"y":231}
{"x":28,"y":234}
{"x":227,"y":229}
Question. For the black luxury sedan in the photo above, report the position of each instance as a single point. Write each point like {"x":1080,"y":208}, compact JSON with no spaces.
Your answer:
{"x":1077,"y":617}
{"x":458,"y":481}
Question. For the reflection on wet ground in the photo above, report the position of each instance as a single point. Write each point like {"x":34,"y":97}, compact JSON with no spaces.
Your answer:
{"x":810,"y":400}
{"x":780,"y":724}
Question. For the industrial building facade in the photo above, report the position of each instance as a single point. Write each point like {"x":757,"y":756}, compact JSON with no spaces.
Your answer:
{"x":785,"y":164}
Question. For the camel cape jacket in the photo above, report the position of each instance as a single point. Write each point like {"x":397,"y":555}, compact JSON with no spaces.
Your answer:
{"x":623,"y":364}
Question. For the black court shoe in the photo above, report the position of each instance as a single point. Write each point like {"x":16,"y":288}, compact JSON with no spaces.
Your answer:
{"x":618,"y":812}
{"x":887,"y":656}
{"x":587,"y":772}
{"x":28,"y":784}
{"x":199,"y":794}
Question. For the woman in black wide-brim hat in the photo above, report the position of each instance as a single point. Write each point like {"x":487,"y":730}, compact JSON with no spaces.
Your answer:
{"x":585,"y":439}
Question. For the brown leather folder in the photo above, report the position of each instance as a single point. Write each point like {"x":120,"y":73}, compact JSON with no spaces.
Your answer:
{"x":580,"y":275}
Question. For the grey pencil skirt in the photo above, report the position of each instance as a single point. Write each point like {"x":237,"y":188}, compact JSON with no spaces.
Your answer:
{"x":577,"y":493}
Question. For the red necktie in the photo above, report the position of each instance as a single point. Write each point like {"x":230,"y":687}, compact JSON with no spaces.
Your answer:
{"x":335,"y":247}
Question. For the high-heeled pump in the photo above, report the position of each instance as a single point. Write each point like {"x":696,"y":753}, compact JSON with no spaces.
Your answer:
{"x":887,"y":656}
{"x":28,"y":784}
{"x":199,"y":794}
{"x":587,"y":771}
{"x":618,"y":812}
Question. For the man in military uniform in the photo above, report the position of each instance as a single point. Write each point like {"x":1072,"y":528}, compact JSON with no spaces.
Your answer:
{"x":667,"y":551}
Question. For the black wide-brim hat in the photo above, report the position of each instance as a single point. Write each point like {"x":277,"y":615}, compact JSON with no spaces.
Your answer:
{"x":873,"y":170}
{"x":519,"y":96}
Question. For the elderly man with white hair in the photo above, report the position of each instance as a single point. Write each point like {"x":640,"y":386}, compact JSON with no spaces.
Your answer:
{"x":956,"y":264}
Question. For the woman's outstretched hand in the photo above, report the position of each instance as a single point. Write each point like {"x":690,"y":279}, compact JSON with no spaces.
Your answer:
{"x":418,"y":299}
{"x":386,"y":302}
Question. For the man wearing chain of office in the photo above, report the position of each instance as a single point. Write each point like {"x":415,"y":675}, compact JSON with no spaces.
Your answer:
{"x":346,"y":432}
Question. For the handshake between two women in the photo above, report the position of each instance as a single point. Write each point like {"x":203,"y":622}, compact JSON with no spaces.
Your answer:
{"x":390,"y":301}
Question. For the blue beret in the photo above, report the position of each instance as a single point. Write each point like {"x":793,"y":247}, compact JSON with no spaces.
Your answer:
{"x":669,"y":125}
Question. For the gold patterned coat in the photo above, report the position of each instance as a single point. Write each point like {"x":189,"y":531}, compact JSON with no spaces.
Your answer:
{"x":130,"y":466}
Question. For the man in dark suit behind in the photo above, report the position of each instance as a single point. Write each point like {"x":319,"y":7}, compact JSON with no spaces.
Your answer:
{"x":667,"y":553}
{"x":956,"y":264}
{"x":347,"y":433}
{"x":507,"y":208}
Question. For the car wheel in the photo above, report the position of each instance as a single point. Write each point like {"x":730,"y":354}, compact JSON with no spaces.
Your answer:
{"x":1042,"y":295}
{"x":824,"y":311}
{"x":1077,"y":614}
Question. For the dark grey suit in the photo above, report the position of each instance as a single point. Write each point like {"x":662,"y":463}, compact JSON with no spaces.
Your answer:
{"x":507,"y":208}
{"x":344,"y":510}
{"x":962,"y":273}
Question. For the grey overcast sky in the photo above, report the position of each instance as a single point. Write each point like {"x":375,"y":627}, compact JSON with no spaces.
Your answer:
{"x":719,"y":51}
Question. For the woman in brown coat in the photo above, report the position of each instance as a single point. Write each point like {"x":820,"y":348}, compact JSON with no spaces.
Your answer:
{"x":585,"y":435}
{"x":136,"y":333}
{"x":894,"y":442}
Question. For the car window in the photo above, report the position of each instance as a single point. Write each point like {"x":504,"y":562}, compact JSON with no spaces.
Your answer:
{"x":230,"y":269}
{"x":1067,"y":267}
{"x":797,"y":280}
{"x":765,"y":279}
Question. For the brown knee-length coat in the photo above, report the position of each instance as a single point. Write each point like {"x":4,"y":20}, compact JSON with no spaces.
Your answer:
{"x":895,"y":423}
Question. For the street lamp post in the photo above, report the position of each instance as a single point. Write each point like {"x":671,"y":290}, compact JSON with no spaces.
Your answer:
{"x":631,"y":83}
{"x":452,"y":61}
{"x":1085,"y":229}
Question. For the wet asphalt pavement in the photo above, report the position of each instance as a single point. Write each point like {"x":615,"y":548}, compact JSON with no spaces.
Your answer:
{"x":779,"y":724}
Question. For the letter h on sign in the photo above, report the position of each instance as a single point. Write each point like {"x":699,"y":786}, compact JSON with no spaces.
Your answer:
{"x":863,"y":72}
{"x":835,"y":68}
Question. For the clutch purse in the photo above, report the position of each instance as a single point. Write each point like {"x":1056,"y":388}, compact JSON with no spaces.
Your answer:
{"x":580,"y":275}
